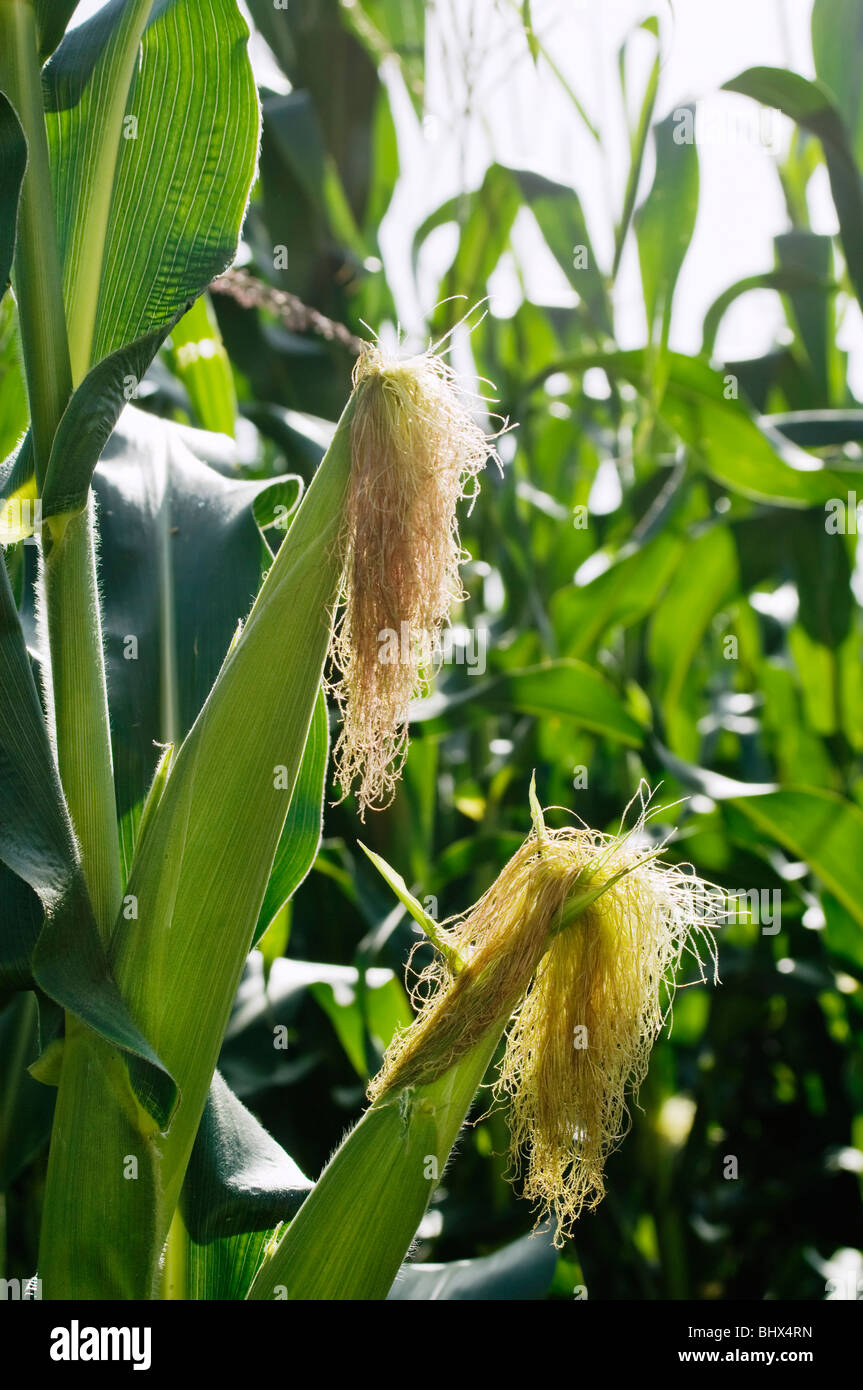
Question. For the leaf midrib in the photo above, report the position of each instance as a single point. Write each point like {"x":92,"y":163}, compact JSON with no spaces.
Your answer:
{"x":83,"y":300}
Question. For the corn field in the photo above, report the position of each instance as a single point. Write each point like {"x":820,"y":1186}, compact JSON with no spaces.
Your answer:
{"x":431,"y":701}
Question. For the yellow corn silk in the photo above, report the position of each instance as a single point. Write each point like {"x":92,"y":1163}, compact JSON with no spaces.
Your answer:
{"x":415,"y":449}
{"x":574,"y":949}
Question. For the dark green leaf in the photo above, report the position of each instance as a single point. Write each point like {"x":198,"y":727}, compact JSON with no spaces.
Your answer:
{"x":240,"y":1186}
{"x":13,"y":163}
{"x":181,"y":556}
{"x":36,"y":842}
{"x":811,"y":255}
{"x":52,"y":16}
{"x":394,"y":28}
{"x":26,"y":1106}
{"x":522,"y":1270}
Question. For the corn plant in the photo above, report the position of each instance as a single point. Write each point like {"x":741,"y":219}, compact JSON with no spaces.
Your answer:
{"x":188,"y":650}
{"x":132,"y":893}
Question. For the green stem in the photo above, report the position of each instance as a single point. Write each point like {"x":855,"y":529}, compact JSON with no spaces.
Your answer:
{"x":37,"y":272}
{"x":80,"y":707}
{"x":70,"y":589}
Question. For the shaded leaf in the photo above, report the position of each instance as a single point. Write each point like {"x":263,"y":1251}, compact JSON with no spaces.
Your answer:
{"x":240,"y":1187}
{"x":522,"y":1270}
{"x":180,"y":558}
{"x":66,"y":958}
{"x":52,"y":16}
{"x":26,"y":1107}
{"x":13,"y":165}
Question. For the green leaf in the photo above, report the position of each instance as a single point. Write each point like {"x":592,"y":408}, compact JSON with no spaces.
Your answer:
{"x":623,"y":594}
{"x":561,"y":220}
{"x":521,"y":1270}
{"x":665,"y":222}
{"x":369,"y":1010}
{"x":37,"y":843}
{"x":683,"y":617}
{"x":14,"y":413}
{"x":181,"y":556}
{"x":486,"y":218}
{"x":152,"y":121}
{"x":240,"y":1187}
{"x":822,"y":572}
{"x":13,"y":166}
{"x":708,"y":782}
{"x":301,"y":835}
{"x":199,"y":359}
{"x":564,"y":689}
{"x":638,"y":136}
{"x":527,"y":21}
{"x":363,"y":1005}
{"x":725,"y":439}
{"x":26,"y":1107}
{"x":52,"y":16}
{"x":837,"y":41}
{"x":820,"y":429}
{"x":819,"y":827}
{"x":785,"y":281}
{"x":843,"y":935}
{"x":402,"y":892}
{"x":809,"y":104}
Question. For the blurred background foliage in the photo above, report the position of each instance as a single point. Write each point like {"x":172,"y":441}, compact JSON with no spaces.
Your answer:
{"x":655,"y":592}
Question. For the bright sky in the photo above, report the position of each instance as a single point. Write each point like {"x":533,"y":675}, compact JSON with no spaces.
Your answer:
{"x":522,"y":116}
